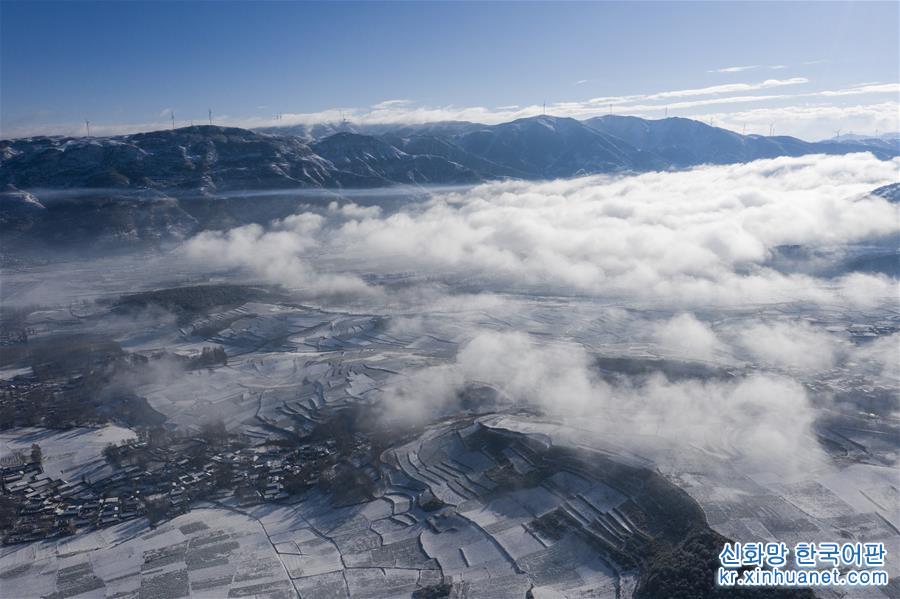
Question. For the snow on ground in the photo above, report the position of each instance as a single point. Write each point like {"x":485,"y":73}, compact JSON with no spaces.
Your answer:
{"x":68,"y":454}
{"x":7,"y":374}
{"x":855,"y":502}
{"x":206,"y":553}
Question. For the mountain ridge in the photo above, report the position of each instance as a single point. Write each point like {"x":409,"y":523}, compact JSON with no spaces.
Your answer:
{"x":212,"y":159}
{"x":167,"y":185}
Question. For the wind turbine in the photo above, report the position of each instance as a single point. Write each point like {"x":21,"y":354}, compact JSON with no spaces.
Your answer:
{"x":173,"y":120}
{"x":87,"y":125}
{"x":209,"y":111}
{"x":837,"y":135}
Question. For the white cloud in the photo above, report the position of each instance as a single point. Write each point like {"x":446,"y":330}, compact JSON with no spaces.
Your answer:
{"x":685,"y":101}
{"x":874,"y":88}
{"x":811,"y":121}
{"x":392,"y":104}
{"x":687,"y":338}
{"x":881,"y":358}
{"x":687,"y":104}
{"x":792,"y":346}
{"x":352,"y":210}
{"x":741,"y":69}
{"x":735,"y":69}
{"x":727,"y":88}
{"x":749,"y":419}
{"x":404,"y":111}
{"x":694,"y":238}
{"x":713,"y":90}
{"x":275,"y":255}
{"x":682,"y":236}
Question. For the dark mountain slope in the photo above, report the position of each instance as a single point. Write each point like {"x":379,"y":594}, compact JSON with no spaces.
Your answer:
{"x":435,"y":145}
{"x":684,"y":142}
{"x":372,"y":158}
{"x":547,"y":147}
{"x":204,"y":157}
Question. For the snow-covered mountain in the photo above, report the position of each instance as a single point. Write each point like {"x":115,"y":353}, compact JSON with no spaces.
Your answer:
{"x":884,"y":141}
{"x":373,"y":159}
{"x":214,"y":159}
{"x":683,"y":142}
{"x":168,"y":184}
{"x":549,"y":147}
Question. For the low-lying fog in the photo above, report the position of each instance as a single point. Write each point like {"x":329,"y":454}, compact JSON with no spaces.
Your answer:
{"x":742,"y":268}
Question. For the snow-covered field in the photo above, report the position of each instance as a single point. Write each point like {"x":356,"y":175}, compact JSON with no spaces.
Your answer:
{"x":69,"y":454}
{"x":703,"y":338}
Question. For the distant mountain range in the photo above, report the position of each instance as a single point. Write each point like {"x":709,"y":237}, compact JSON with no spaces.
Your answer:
{"x":170,"y":183}
{"x":890,"y":141}
{"x":210,"y":158}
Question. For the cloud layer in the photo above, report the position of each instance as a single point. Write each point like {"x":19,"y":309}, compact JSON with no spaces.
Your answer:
{"x":749,"y":419}
{"x":685,"y":260}
{"x":702,"y":237}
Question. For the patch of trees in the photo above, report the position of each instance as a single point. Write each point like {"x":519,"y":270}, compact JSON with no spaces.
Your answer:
{"x":156,"y":509}
{"x":113,"y":454}
{"x":79,"y":392}
{"x":41,"y":405}
{"x":154,"y":436}
{"x":434,"y":591}
{"x":69,"y":354}
{"x":430,"y":502}
{"x":301,"y":480}
{"x":186,"y":302}
{"x":552,"y":525}
{"x":347,"y":485}
{"x":687,"y":570}
{"x":222,"y":476}
{"x":208,"y":357}
{"x":8,"y":512}
{"x":339,"y":429}
{"x":345,"y":431}
{"x":37,"y":455}
{"x":214,"y":432}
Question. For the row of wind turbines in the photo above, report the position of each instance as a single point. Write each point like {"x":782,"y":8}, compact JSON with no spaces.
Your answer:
{"x":87,"y":122}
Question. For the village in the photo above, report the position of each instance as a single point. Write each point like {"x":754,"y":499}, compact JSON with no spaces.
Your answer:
{"x":159,"y":474}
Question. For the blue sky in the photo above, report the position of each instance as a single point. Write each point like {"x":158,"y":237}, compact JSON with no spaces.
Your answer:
{"x":126,"y":65}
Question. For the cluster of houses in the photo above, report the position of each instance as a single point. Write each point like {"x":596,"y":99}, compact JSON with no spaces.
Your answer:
{"x":48,"y":507}
{"x":158,"y":481}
